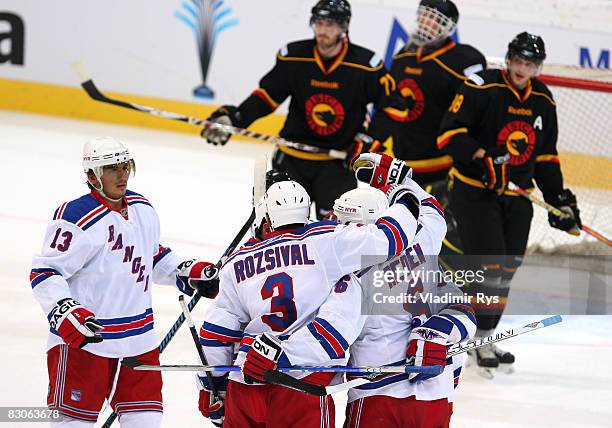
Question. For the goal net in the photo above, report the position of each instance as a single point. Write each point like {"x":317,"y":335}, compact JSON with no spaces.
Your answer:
{"x":584,"y":109}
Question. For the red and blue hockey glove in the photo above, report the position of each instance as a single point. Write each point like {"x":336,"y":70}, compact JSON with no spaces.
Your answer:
{"x":211,"y":407}
{"x":76,"y":325}
{"x":427,"y":344}
{"x":263,"y":355}
{"x":199,"y":276}
{"x":379,"y":170}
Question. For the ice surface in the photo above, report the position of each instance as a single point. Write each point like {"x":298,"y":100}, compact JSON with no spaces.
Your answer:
{"x":203,"y":195}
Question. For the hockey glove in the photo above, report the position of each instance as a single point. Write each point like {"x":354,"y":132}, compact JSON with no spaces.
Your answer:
{"x":263,"y":355}
{"x":199,"y":276}
{"x":495,"y":163}
{"x":401,"y":193}
{"x":379,"y":170}
{"x":362,"y":143}
{"x":566,"y":202}
{"x":427,"y":344}
{"x":211,"y":407}
{"x":76,"y":325}
{"x":225,"y":115}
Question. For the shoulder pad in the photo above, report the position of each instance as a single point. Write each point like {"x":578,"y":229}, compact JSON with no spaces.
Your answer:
{"x":300,"y":49}
{"x":375,"y":60}
{"x":476,"y":79}
{"x":362,"y":56}
{"x":83,"y":212}
{"x":539,"y":86}
{"x":136,"y":198}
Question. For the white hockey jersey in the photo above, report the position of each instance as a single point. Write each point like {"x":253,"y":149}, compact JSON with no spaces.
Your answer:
{"x":384,"y":338}
{"x":296,"y":285}
{"x":108,"y":264}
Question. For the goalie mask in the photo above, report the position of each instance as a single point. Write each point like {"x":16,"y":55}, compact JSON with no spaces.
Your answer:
{"x":436,"y":20}
{"x":363,"y":205}
{"x":102,"y":152}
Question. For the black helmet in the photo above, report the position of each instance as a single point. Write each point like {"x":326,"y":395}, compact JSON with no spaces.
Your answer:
{"x":338,"y":11}
{"x":275,"y":176}
{"x":528,"y":46}
{"x":446,"y":7}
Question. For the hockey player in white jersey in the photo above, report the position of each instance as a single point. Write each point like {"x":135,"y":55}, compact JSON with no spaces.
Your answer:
{"x":289,"y":300}
{"x":93,"y":278}
{"x":408,"y":332}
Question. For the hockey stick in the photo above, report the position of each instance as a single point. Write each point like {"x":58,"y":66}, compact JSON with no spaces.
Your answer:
{"x":194,"y":300}
{"x":92,"y":90}
{"x":196,"y":341}
{"x":135,"y":364}
{"x":555,"y":211}
{"x":277,"y":378}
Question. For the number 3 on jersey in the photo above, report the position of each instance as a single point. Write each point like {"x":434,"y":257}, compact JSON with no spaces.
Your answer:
{"x":282,"y":302}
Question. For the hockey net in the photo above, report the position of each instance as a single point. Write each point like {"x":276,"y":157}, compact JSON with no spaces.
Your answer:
{"x":584,"y":109}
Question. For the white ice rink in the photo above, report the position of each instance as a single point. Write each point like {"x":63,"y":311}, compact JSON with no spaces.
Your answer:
{"x":203,"y":195}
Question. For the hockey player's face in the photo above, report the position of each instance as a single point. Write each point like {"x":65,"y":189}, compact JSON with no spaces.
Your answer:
{"x":327,"y":33}
{"x":114,"y":179}
{"x":521,"y":70}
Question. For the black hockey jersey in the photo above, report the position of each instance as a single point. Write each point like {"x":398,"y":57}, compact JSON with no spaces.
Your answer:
{"x":428,"y":81}
{"x":328,"y":98}
{"x":488,"y":111}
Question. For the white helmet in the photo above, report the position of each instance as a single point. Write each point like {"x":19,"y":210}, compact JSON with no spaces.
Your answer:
{"x":363,"y":205}
{"x":286,"y":202}
{"x":104,"y":151}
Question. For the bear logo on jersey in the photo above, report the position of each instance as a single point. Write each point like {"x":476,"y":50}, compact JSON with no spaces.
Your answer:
{"x":519,"y":139}
{"x":415,"y":100}
{"x":324,"y":114}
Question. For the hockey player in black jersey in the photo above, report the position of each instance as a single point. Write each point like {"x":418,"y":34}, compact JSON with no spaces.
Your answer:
{"x":429,"y":71}
{"x":330,"y":81}
{"x":501,"y":127}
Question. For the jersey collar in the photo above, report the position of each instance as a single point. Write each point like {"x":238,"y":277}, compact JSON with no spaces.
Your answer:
{"x":123,"y":210}
{"x":515,"y":91}
{"x":336,"y":62}
{"x":424,"y":56}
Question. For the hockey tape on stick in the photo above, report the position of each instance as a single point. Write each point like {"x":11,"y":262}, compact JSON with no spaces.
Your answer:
{"x":92,"y":90}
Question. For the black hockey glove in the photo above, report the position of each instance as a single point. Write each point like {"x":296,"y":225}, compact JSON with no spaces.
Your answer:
{"x":362,"y":143}
{"x":566,"y":202}
{"x":224,"y":115}
{"x":495,"y":163}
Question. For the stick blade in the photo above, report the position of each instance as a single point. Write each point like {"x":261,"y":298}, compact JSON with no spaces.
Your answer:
{"x":259,"y":178}
{"x":81,"y":71}
{"x":282,"y":379}
{"x":131,"y":362}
